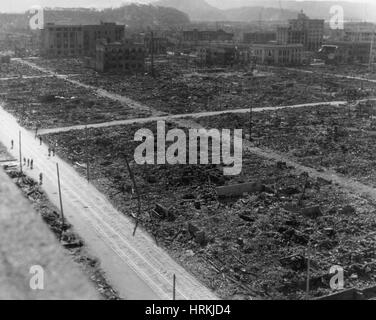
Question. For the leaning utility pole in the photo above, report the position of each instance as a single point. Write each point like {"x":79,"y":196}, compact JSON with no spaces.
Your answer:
{"x":87,"y":154}
{"x":61,"y":201}
{"x":131,"y":175}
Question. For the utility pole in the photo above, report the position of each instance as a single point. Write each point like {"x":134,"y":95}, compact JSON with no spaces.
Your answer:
{"x":87,"y":154}
{"x":322,"y":85}
{"x":308,"y":271}
{"x":19,"y":141}
{"x":250,"y":123}
{"x":251,"y":116}
{"x":61,"y":201}
{"x":131,"y":175}
{"x":174,"y":287}
{"x":152,"y":54}
{"x":371,"y":55}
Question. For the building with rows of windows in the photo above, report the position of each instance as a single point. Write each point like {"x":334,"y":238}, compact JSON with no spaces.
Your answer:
{"x":309,"y":32}
{"x":77,"y":40}
{"x":120,"y":57}
{"x":278,"y":54}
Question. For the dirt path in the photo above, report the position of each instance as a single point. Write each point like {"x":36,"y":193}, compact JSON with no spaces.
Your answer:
{"x":336,"y":75}
{"x":186,"y":115}
{"x":136,"y":267}
{"x":348,"y":184}
{"x":26,"y":77}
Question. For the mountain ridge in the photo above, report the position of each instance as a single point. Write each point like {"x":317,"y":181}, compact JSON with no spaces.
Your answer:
{"x":233,"y":10}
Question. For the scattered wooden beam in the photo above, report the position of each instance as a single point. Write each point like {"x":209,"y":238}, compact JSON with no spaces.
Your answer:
{"x":236,"y":190}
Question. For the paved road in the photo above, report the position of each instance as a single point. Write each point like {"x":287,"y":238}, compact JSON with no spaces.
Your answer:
{"x":135,"y":266}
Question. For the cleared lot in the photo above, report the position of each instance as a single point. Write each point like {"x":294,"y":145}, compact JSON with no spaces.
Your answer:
{"x":341,"y":139}
{"x":52,"y":102}
{"x":180,"y":88}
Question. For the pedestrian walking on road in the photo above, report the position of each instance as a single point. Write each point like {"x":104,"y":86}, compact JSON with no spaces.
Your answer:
{"x":53,"y":152}
{"x":40,"y":178}
{"x":24,"y":161}
{"x":12,"y":143}
{"x":28,"y":163}
{"x":31,"y":164}
{"x":49,"y":151}
{"x":40,"y":140}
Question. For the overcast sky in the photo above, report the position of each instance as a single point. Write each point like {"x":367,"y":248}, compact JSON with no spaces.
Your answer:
{"x":23,"y":5}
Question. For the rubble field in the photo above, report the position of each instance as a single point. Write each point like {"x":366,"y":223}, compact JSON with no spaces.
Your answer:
{"x":253,"y":246}
{"x":341,"y":139}
{"x":17,"y":70}
{"x":52,"y":102}
{"x":71,"y":66}
{"x":179,"y":89}
{"x":70,"y":240}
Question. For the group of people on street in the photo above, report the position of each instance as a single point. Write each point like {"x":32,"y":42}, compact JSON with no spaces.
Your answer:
{"x":30,"y":162}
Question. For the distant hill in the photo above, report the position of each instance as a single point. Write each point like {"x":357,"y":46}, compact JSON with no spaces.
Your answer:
{"x":200,"y":10}
{"x":196,"y":9}
{"x":146,"y":16}
{"x":314,"y":9}
{"x":12,"y":21}
{"x":259,"y":13}
{"x":133,"y":16}
{"x":245,"y":10}
{"x":214,"y":9}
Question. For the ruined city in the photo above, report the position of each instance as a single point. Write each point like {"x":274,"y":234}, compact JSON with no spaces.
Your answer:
{"x":188,"y":150}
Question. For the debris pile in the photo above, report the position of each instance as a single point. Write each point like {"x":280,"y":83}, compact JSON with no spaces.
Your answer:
{"x":17,"y":70}
{"x":51,"y":102}
{"x":253,"y":244}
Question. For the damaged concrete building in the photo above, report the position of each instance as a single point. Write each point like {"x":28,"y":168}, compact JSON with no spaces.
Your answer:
{"x":221,"y":54}
{"x":155,"y":45}
{"x":340,"y":52}
{"x":120,"y":57}
{"x":278,"y":54}
{"x":352,"y":45}
{"x":77,"y":40}
{"x":303,"y":30}
{"x":259,"y":37}
{"x":207,"y":35}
